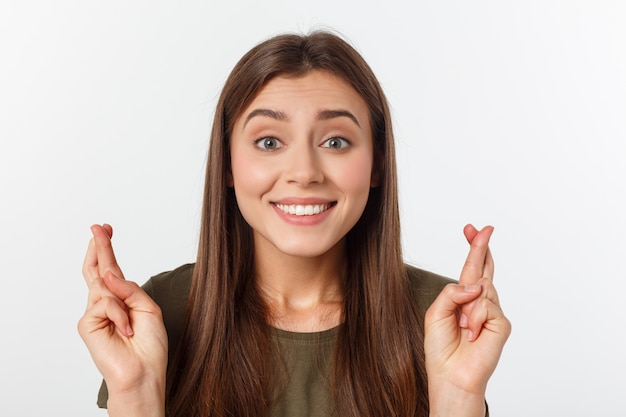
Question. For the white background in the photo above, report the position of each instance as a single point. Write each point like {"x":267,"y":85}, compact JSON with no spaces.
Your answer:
{"x":510,"y":113}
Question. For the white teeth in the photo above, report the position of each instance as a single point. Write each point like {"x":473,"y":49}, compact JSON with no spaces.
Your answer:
{"x":300,"y":210}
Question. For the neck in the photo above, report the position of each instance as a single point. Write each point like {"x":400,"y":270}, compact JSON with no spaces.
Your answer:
{"x":303,"y":294}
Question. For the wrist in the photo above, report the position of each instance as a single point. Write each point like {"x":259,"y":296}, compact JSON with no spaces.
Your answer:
{"x":145,"y":400}
{"x":448,"y":401}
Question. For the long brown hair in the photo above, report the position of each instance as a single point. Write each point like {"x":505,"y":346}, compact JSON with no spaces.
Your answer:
{"x":222,"y":366}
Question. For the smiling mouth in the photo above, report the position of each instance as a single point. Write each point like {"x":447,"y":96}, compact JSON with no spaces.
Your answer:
{"x":303,"y":210}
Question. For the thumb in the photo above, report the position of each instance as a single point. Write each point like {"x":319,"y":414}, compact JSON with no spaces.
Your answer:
{"x":130,"y":293}
{"x":450,"y":299}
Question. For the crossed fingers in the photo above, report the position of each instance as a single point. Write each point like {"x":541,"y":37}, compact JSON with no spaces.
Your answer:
{"x":100,"y":257}
{"x":477,"y":271}
{"x":479,"y":262}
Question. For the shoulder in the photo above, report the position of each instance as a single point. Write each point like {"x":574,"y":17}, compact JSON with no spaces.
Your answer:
{"x":425,"y":286}
{"x":167,"y":285}
{"x":170,"y":290}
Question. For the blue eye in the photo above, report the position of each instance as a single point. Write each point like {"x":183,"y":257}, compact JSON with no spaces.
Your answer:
{"x":269,"y":144}
{"x":336,"y":143}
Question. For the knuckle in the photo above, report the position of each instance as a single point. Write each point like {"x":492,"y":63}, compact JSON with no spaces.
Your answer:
{"x":485,"y":285}
{"x":430,"y":314}
{"x":80,"y":325}
{"x":111,"y":303}
{"x":83,"y":325}
{"x":484,"y":303}
{"x":450,"y":289}
{"x":489,"y":290}
{"x":87,"y":270}
{"x":508,"y":327}
{"x":157,"y":311}
{"x":97,"y":284}
{"x":133,"y":284}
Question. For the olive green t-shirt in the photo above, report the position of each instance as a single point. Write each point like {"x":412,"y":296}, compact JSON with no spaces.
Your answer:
{"x":307,"y":356}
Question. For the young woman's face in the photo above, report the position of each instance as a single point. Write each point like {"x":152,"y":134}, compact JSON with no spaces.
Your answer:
{"x":302,"y":158}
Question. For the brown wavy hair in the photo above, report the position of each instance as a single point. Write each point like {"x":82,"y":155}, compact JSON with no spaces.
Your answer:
{"x":223,"y":366}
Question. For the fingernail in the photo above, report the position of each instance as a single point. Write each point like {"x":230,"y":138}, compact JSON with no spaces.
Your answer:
{"x":129,"y":331}
{"x":472,"y":288}
{"x":463,"y":320}
{"x":470,"y":335}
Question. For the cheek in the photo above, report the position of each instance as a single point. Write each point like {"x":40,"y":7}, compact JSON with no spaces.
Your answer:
{"x":249,"y":176}
{"x":356,"y":175}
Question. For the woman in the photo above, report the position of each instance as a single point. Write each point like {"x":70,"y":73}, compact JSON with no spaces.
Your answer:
{"x":299,"y":302}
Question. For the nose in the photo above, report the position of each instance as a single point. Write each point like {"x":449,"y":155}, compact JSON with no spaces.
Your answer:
{"x":304,"y":167}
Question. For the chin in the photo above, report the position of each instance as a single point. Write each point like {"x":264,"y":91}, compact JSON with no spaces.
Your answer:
{"x":298,"y":252}
{"x":305,"y":249}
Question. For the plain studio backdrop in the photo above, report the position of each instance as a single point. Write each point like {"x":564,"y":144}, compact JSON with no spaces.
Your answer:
{"x":509,"y":113}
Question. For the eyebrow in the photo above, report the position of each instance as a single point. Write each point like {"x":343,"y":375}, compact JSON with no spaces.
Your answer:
{"x":281,"y":116}
{"x":277,"y":115}
{"x":331,"y":114}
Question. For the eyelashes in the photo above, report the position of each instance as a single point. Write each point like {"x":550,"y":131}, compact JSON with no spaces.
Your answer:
{"x":336,"y":143}
{"x":270,"y":143}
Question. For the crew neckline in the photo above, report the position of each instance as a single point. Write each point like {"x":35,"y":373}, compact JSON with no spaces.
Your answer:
{"x":322,"y":335}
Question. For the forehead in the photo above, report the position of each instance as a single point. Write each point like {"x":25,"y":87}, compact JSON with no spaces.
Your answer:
{"x":317,"y":89}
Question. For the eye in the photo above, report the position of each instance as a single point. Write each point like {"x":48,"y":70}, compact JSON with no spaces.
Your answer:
{"x":268,"y":144}
{"x":336,"y":143}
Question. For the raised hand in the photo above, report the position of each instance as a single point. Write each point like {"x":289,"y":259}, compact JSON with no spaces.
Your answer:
{"x":465,"y":331}
{"x":123,"y":330}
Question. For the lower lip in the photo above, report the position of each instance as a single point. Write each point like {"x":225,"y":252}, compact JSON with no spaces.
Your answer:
{"x":311,"y":220}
